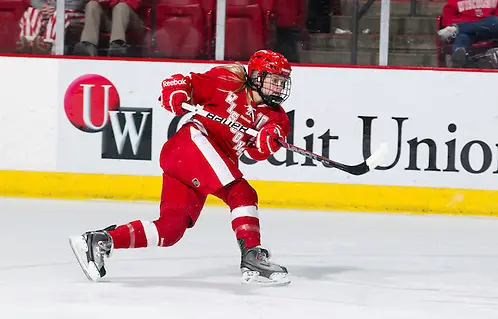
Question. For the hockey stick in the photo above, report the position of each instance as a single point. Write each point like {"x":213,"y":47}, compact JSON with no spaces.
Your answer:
{"x":370,"y":163}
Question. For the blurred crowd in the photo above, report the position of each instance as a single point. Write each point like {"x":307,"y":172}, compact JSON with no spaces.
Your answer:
{"x":85,"y":23}
{"x":466,"y":35}
{"x":163,"y":28}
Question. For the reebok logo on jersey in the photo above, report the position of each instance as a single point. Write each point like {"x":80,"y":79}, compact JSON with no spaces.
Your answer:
{"x":174,"y":82}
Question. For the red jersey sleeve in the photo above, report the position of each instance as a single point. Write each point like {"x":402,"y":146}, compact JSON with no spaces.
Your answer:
{"x":205,"y":85}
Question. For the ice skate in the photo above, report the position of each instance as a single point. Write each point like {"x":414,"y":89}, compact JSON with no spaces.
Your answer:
{"x":257,"y":269}
{"x":90,"y":250}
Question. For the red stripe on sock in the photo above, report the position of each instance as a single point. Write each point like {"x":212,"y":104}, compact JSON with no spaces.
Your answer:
{"x":247,"y":228}
{"x":131,"y":235}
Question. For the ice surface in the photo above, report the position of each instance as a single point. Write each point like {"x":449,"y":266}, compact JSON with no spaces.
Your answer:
{"x":343,"y":265}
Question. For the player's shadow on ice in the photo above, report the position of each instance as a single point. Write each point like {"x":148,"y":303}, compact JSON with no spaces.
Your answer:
{"x":319,"y":272}
{"x":232,"y":287}
{"x":226,"y":279}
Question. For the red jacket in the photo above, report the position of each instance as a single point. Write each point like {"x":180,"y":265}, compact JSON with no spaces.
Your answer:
{"x":456,"y":11}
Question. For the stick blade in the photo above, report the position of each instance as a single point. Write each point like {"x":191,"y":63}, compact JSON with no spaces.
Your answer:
{"x":376,"y":158}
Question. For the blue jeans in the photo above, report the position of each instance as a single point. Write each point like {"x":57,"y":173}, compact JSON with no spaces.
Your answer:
{"x":469,"y":32}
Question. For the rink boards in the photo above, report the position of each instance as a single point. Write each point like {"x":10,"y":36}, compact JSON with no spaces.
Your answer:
{"x":94,"y":129}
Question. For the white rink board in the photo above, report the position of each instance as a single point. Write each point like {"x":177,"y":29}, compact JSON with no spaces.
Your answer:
{"x":28,"y":104}
{"x":339,"y":101}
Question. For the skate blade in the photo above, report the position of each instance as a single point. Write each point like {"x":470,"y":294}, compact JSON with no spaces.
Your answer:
{"x":80,"y":248}
{"x":254,"y":278}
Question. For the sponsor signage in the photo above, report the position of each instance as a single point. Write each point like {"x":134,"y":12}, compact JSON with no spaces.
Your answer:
{"x":92,"y":105}
{"x":103,"y":117}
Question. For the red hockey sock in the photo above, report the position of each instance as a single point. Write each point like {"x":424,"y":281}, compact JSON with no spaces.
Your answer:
{"x":243,"y":200}
{"x":245,"y":224}
{"x":131,"y":235}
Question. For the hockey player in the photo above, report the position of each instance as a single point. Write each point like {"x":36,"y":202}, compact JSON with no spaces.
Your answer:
{"x":202,"y":158}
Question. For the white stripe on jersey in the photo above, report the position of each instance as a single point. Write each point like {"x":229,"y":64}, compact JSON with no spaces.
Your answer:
{"x":219,"y":167}
{"x":69,"y":17}
{"x":30,"y":23}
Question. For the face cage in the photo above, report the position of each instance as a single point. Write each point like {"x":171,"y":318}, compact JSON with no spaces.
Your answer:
{"x":272,"y":99}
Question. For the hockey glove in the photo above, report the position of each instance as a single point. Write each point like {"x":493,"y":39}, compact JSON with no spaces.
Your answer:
{"x":176,"y":90}
{"x":267,"y":139}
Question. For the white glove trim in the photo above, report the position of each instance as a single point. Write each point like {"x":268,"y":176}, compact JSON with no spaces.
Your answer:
{"x":268,"y":141}
{"x":173,"y":94}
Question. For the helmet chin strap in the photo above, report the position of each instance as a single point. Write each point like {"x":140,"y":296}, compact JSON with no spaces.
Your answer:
{"x":270,"y":100}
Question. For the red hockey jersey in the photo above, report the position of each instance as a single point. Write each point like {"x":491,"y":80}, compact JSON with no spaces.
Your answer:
{"x":456,"y":11}
{"x":218,"y":91}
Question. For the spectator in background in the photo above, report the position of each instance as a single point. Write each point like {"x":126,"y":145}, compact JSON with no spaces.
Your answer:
{"x":116,"y":16}
{"x":291,"y":28}
{"x":38,"y":25}
{"x":466,"y":22}
{"x":319,"y":15}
